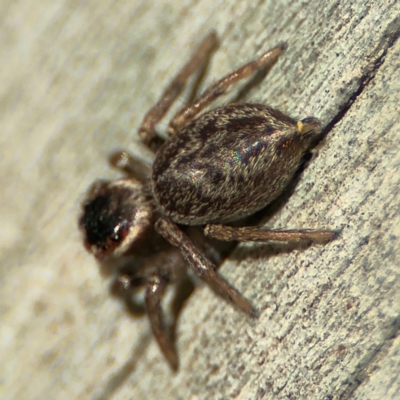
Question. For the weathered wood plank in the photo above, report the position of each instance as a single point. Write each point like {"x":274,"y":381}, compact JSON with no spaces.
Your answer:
{"x":76,"y":81}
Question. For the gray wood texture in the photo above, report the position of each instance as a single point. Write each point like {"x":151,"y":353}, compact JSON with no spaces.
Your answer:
{"x":76,"y":80}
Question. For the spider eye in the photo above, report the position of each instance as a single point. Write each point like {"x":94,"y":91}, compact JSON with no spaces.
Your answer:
{"x":115,"y":238}
{"x":120,"y":232}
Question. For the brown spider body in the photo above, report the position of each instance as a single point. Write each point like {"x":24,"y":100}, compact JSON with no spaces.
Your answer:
{"x":217,"y":167}
{"x":227,"y":164}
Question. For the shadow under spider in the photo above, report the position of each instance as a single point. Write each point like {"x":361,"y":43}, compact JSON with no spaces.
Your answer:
{"x":123,"y":374}
{"x":183,"y":291}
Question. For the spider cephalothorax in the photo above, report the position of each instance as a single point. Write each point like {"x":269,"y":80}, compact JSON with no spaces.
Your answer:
{"x":220,"y":166}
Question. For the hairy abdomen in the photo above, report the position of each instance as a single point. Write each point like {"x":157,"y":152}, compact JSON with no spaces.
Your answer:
{"x":226,"y":164}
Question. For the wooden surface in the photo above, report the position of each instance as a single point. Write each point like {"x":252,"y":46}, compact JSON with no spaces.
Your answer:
{"x":76,"y":79}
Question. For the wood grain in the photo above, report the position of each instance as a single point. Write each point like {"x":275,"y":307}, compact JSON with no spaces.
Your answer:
{"x":76,"y":80}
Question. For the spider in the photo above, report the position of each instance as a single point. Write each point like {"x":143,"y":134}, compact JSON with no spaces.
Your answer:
{"x":218,"y":167}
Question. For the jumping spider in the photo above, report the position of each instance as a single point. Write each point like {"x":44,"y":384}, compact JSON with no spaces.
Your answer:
{"x":217,"y":168}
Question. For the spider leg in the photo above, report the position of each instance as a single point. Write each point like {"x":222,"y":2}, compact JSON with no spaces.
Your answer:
{"x":219,"y":88}
{"x":129,"y":165}
{"x":154,"y":291}
{"x":261,"y":234}
{"x":125,"y":287}
{"x":202,"y":266}
{"x":147,"y":130}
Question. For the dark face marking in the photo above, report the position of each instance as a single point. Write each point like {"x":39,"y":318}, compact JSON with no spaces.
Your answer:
{"x":102,"y":223}
{"x":113,"y":214}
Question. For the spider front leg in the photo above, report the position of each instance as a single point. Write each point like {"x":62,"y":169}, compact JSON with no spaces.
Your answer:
{"x":147,"y":130}
{"x":202,"y":267}
{"x":219,"y":88}
{"x":154,"y":290}
{"x":261,"y":234}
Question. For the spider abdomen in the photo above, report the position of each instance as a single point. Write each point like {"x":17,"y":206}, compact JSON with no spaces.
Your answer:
{"x":228,"y":163}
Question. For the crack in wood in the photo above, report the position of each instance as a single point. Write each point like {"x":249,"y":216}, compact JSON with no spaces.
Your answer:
{"x":389,"y":39}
